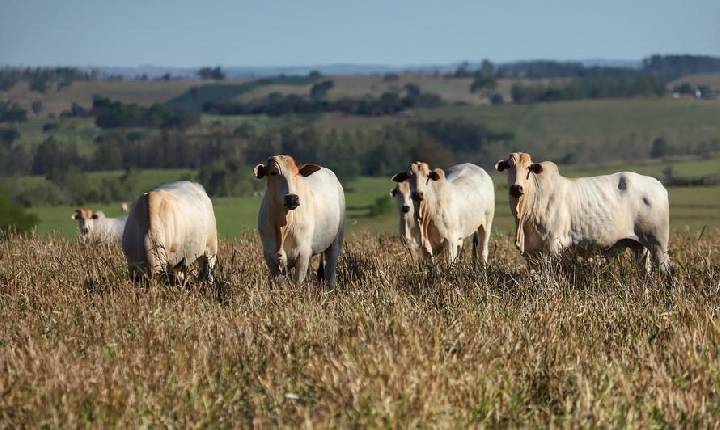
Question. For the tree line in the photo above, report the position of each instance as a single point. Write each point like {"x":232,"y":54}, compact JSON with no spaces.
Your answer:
{"x":277,"y":104}
{"x":596,"y":87}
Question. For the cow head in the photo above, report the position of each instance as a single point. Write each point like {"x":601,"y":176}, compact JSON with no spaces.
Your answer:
{"x":519,"y":166}
{"x":282,"y":173}
{"x":401,"y":194}
{"x":419,"y":175}
{"x":86,"y":219}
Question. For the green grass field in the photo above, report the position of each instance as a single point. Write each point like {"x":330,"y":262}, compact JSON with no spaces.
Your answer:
{"x":691,"y":207}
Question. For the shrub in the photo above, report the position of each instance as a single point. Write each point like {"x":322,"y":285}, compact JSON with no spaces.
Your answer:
{"x":14,"y":217}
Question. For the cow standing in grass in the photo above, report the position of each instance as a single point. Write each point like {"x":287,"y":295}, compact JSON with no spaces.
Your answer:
{"x":94,"y":225}
{"x":615,"y":211}
{"x":168,"y":229}
{"x":451,"y":207}
{"x":302,"y":214}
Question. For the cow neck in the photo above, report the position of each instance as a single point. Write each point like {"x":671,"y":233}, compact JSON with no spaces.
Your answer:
{"x":282,"y":219}
{"x":526,"y":211}
{"x":429,"y":209}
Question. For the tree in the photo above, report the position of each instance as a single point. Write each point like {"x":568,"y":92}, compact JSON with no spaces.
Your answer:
{"x":482,"y":83}
{"x":12,"y":112}
{"x":660,"y":148}
{"x":487,"y":68}
{"x":38,"y":85}
{"x":319,"y":91}
{"x":8,"y":136}
{"x":412,"y":90}
{"x":37,"y":107}
{"x":211,"y":73}
{"x":51,"y":154}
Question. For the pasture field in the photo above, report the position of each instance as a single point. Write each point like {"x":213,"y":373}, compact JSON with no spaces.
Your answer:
{"x":139,"y":92}
{"x":398,"y":344}
{"x":692,"y":207}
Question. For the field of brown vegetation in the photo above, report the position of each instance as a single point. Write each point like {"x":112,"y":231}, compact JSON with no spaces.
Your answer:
{"x":580,"y":344}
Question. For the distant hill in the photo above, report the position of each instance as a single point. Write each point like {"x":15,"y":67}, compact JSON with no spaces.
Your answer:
{"x":337,"y":69}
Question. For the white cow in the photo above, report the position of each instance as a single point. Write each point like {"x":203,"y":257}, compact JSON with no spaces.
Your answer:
{"x":408,"y":227}
{"x":170,"y":228}
{"x":451,"y":208}
{"x":302,"y":214}
{"x":552,"y":212}
{"x":94,"y":225}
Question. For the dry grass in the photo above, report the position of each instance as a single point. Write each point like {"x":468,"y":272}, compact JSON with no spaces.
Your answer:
{"x":400,"y":345}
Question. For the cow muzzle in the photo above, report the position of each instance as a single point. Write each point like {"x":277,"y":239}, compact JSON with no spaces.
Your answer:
{"x":84,"y":230}
{"x":516,"y":191}
{"x":292,"y":201}
{"x":405,"y":209}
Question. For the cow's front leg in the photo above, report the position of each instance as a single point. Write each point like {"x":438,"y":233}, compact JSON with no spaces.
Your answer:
{"x":302,"y":263}
{"x":452,"y":247}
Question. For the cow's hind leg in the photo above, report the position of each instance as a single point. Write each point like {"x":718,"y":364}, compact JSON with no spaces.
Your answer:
{"x":207,"y":266}
{"x":483,"y":234}
{"x":332,"y":255}
{"x":321,"y":268}
{"x":475,"y":242}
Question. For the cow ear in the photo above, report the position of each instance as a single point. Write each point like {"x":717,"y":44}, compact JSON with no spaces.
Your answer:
{"x":308,"y":169}
{"x":400,"y":177}
{"x":501,"y":165}
{"x":393,"y":192}
{"x":76,"y":215}
{"x":259,"y":171}
{"x":436,"y":174}
{"x":536,"y":168}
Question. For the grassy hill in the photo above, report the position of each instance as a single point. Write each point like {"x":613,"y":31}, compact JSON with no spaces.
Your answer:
{"x":139,"y":92}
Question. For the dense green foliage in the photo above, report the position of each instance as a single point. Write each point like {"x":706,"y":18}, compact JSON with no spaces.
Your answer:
{"x":196,"y":97}
{"x":12,"y":112}
{"x":595,"y":87}
{"x":673,"y":66}
{"x":276,"y":104}
{"x":41,"y":78}
{"x":13,"y":217}
{"x":113,"y":114}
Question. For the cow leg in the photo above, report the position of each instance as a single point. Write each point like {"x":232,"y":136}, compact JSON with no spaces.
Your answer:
{"x":332,"y":255}
{"x":321,"y":268}
{"x":302,"y":263}
{"x":475,"y":243}
{"x":483,"y":234}
{"x":661,"y":257}
{"x":452,"y":250}
{"x":274,"y":267}
{"x":641,"y":257}
{"x":207,"y":264}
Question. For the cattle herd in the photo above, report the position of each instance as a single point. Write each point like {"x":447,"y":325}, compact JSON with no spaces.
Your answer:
{"x":303,"y":209}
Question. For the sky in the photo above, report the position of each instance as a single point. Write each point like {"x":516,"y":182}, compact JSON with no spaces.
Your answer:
{"x":185,"y":33}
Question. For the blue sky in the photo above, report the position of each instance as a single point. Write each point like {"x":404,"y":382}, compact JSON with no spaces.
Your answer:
{"x":307,"y":32}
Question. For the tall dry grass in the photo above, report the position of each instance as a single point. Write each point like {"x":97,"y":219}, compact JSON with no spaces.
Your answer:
{"x":398,"y":345}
